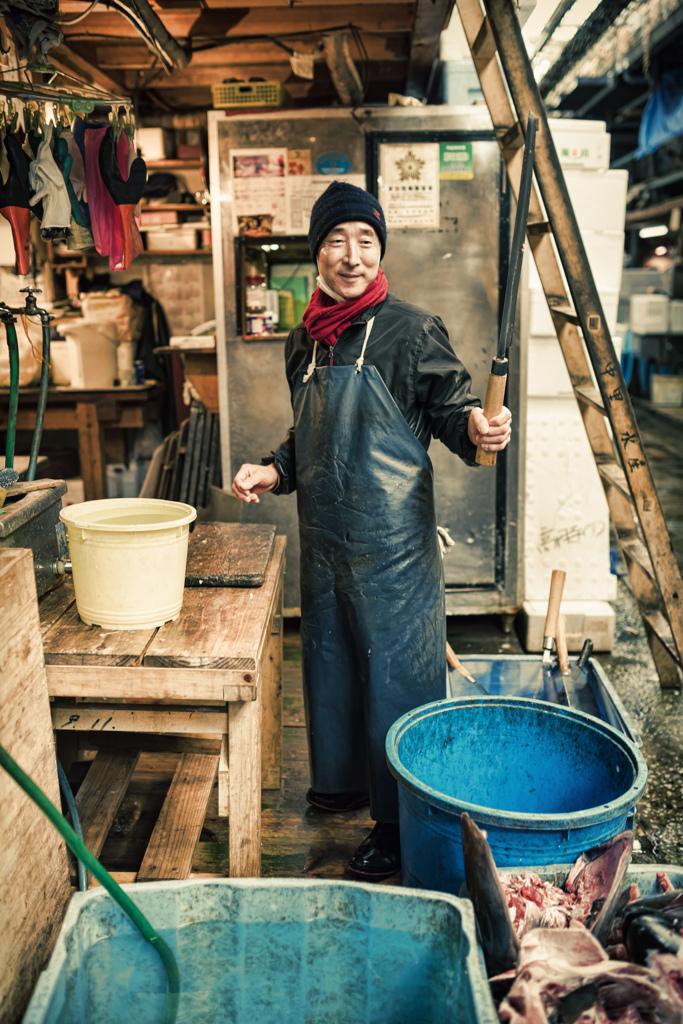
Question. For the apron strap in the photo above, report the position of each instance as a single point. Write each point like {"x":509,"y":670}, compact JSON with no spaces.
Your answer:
{"x":311,"y":365}
{"x":361,"y":357}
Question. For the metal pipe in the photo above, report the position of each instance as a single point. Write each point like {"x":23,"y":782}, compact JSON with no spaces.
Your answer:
{"x":9,"y":322}
{"x":42,"y":394}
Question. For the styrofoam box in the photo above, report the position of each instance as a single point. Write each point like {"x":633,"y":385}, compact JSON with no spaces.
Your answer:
{"x":173,"y":238}
{"x":581,"y":143}
{"x":649,"y":314}
{"x":676,"y":316}
{"x":666,"y":390}
{"x":547,"y":370}
{"x":586,"y":620}
{"x":154,"y":143}
{"x":605,"y":251}
{"x":541,"y":324}
{"x":547,"y":374}
{"x":566,"y":521}
{"x":598,"y":198}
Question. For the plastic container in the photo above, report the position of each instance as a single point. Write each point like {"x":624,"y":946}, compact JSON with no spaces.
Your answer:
{"x":649,"y":314}
{"x":516,"y":675}
{"x":92,"y":352}
{"x":666,"y":389}
{"x":128,"y":557}
{"x":676,"y":316}
{"x":249,"y":94}
{"x":546,"y":782}
{"x":122,"y":480}
{"x":269,"y":950}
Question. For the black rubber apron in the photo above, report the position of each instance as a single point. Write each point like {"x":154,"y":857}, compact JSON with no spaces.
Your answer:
{"x":373,"y":624}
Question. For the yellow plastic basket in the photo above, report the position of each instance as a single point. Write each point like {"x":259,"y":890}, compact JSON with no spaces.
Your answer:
{"x":249,"y":94}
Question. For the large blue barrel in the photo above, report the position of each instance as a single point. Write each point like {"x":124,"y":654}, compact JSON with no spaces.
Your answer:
{"x":546,"y":783}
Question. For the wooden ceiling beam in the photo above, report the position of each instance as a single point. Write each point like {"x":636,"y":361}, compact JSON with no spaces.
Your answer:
{"x":63,"y":58}
{"x":431,"y":18}
{"x":380,"y":71}
{"x":218,"y":22}
{"x":113,"y":57}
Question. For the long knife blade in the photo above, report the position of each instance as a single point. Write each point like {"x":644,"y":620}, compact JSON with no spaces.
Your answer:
{"x":495,"y":389}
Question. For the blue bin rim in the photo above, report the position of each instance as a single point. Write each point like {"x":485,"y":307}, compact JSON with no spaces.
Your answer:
{"x":515,"y":819}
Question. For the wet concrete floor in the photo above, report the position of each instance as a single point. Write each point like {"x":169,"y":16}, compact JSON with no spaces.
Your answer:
{"x":657,"y":713}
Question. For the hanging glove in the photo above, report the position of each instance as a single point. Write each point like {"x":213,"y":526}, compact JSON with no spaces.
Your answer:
{"x":79,"y":237}
{"x":126,"y":194}
{"x":4,"y":162}
{"x":14,"y":201}
{"x":64,"y":161}
{"x":48,"y":182}
{"x":77,"y":172}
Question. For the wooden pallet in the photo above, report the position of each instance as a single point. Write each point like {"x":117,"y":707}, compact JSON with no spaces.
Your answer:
{"x":172,"y":845}
{"x":510,"y":90}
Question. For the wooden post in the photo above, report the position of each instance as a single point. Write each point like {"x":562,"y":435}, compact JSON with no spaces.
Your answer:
{"x":34,"y":880}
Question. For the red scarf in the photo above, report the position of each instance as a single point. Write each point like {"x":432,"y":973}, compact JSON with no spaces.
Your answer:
{"x":325,"y":319}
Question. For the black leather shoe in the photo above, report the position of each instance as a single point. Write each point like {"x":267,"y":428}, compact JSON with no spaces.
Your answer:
{"x":335,"y":803}
{"x":378,"y":856}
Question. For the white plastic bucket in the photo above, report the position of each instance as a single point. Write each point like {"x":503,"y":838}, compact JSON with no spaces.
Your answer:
{"x":128,"y":557}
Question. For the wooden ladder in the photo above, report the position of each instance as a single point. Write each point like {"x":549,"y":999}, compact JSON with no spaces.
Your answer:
{"x":500,"y":57}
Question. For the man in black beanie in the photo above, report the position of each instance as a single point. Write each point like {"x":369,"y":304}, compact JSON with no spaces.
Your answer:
{"x":372,"y":380}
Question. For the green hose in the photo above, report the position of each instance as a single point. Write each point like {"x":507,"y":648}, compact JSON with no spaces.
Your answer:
{"x":13,"y":347}
{"x":103,"y":877}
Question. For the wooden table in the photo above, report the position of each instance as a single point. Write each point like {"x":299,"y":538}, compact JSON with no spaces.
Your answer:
{"x":89,"y":411}
{"x":216,"y":670}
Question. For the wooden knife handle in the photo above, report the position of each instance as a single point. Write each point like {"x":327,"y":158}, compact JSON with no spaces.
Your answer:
{"x":493,"y":404}
{"x":455,"y":662}
{"x":562,"y":652}
{"x":554,"y":601}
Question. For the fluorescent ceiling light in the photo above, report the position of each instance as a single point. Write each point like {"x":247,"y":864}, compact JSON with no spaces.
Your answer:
{"x":654,"y":232}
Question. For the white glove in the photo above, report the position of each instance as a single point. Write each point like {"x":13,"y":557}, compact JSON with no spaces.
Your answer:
{"x":445,"y":540}
{"x":47,"y":183}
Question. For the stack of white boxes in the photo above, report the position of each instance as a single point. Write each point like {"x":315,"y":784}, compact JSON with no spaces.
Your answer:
{"x":566,"y":514}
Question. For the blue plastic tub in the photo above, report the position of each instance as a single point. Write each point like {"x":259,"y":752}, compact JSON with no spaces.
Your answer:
{"x":546,"y":782}
{"x":261,"y":951}
{"x":516,"y":675}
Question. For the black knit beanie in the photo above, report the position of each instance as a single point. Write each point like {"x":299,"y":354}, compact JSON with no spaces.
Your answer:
{"x":341,"y":202}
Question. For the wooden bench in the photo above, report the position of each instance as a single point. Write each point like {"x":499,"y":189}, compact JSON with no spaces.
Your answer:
{"x":214,"y":671}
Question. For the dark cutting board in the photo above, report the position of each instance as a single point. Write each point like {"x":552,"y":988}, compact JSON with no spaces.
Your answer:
{"x":228,"y":555}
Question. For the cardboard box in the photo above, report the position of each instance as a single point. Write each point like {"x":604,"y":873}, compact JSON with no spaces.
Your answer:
{"x":172,"y":238}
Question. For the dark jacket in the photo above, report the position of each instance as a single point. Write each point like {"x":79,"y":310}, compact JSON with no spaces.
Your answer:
{"x":415,"y":359}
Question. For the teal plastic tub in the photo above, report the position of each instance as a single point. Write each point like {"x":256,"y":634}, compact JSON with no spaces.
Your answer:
{"x":546,"y":782}
{"x":269,"y":951}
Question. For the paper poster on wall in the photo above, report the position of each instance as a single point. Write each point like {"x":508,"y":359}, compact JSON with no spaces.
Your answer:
{"x":455,"y":161}
{"x":258,"y":181}
{"x":409,"y":184}
{"x":302,"y":192}
{"x":298,"y":162}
